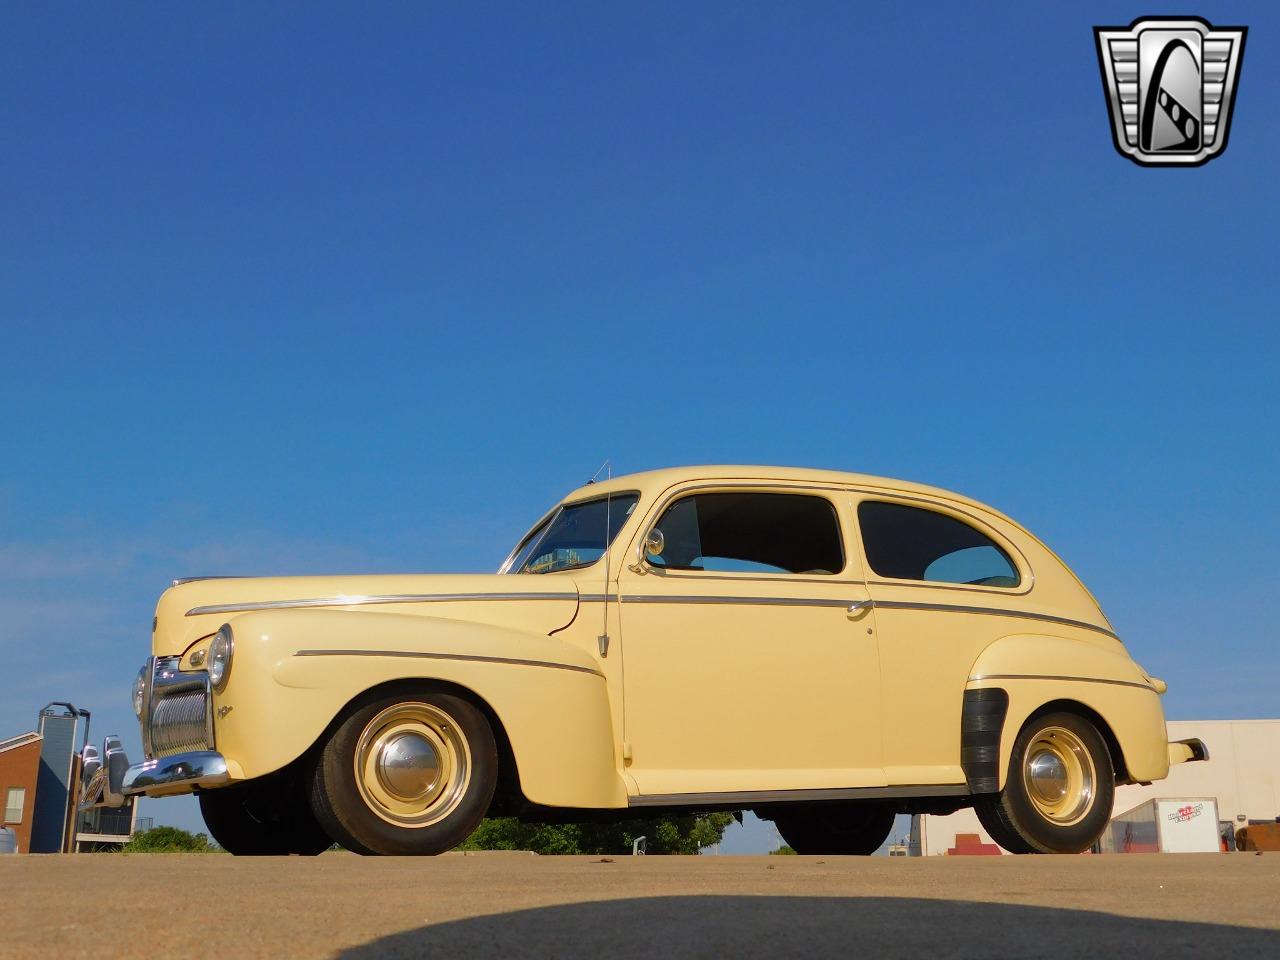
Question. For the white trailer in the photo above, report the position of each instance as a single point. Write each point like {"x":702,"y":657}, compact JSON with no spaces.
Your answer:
{"x":1166,"y":825}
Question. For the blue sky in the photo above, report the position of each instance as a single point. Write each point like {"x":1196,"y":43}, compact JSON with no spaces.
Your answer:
{"x":319,"y":290}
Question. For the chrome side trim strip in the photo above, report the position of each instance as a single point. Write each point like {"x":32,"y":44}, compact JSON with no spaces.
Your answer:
{"x":464,"y":657}
{"x":1044,"y":676}
{"x":847,"y":604}
{"x":990,"y":611}
{"x":832,"y":581}
{"x":958,"y":587}
{"x":788,"y":796}
{"x":746,"y":601}
{"x":357,"y":601}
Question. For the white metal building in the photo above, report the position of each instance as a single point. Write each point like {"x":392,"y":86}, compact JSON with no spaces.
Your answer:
{"x":1242,"y":775}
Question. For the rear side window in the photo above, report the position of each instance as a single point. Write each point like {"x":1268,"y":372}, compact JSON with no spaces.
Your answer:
{"x":908,"y":543}
{"x":750,"y":533}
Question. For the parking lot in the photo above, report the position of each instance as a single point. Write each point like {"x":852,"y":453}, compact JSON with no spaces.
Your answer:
{"x":514,"y":905}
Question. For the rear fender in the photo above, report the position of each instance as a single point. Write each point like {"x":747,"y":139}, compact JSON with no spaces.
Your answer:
{"x":1038,"y":671}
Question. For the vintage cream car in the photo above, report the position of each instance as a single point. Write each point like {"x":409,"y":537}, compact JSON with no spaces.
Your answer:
{"x":826,"y":649}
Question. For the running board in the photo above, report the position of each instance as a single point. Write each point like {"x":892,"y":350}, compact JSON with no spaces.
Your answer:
{"x":751,"y":797}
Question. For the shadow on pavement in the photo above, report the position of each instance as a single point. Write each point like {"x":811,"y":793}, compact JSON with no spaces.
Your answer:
{"x":731,"y":927}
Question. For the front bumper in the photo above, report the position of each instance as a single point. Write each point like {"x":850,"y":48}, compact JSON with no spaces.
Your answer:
{"x":179,"y":773}
{"x":177,"y":734}
{"x":114,"y":782}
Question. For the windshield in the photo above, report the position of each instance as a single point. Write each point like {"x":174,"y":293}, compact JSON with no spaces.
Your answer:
{"x":574,"y":536}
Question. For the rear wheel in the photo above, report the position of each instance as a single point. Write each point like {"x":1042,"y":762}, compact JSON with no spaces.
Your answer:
{"x":264,"y":818}
{"x":409,"y":773}
{"x":1059,"y":790}
{"x":850,"y":829}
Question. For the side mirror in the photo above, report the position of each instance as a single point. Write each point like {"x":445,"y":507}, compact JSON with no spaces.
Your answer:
{"x":654,"y":543}
{"x":652,"y":546}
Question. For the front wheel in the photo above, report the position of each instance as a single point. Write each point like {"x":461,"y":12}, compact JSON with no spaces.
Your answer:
{"x":1059,"y":790}
{"x":838,"y":829}
{"x":408,"y":773}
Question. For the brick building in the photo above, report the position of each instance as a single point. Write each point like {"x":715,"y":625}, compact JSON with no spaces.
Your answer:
{"x":19,"y":770}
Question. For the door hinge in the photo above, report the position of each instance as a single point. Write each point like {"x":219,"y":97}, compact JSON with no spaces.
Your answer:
{"x":626,"y":750}
{"x":603,"y":642}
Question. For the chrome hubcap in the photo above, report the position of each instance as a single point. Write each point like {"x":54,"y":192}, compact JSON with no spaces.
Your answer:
{"x":1059,"y":776}
{"x":412,"y":764}
{"x":1047,"y":775}
{"x":408,"y":766}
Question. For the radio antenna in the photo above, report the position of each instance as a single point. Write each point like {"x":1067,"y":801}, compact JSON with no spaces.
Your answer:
{"x":603,"y":640}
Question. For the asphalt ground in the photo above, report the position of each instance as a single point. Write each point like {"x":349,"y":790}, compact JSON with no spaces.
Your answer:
{"x":513,"y":906}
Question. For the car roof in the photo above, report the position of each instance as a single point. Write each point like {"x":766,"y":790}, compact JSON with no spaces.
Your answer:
{"x":655,"y":481}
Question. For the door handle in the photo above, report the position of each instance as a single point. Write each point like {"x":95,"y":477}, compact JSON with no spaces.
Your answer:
{"x":859,"y":607}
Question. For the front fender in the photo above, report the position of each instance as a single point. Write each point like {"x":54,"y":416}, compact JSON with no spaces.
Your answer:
{"x":1035,"y":670}
{"x":294,"y":671}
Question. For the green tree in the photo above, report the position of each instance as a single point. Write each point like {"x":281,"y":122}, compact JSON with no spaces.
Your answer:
{"x":678,"y":835}
{"x":168,"y":840}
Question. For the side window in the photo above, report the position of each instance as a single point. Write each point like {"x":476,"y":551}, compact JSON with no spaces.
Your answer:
{"x":750,"y":533}
{"x":908,"y":543}
{"x":14,"y":804}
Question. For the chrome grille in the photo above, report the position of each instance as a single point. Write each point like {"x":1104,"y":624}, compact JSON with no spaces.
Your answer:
{"x":177,"y":710}
{"x":179,"y":723}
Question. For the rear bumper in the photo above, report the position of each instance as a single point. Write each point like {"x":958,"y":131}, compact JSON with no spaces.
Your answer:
{"x":179,"y":773}
{"x":1187,"y":751}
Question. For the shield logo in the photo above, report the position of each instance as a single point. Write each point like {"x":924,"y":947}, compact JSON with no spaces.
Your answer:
{"x":1170,"y":85}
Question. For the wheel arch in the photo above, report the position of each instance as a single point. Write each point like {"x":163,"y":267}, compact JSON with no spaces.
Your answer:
{"x":1087,"y":675}
{"x":987,"y":735}
{"x":1085,"y":712}
{"x":508,"y":767}
{"x":1129,"y":721}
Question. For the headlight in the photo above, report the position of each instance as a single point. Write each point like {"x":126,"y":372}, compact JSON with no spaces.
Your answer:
{"x":221,"y":651}
{"x":139,"y":690}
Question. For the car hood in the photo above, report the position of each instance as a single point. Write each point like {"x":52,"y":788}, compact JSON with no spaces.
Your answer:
{"x":536,"y":603}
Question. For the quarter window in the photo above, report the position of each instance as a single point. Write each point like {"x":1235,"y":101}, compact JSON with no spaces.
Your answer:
{"x":14,"y":803}
{"x":749,"y":533}
{"x":576,"y":536}
{"x":908,"y":543}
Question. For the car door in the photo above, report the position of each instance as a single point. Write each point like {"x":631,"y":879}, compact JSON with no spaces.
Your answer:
{"x":745,"y":670}
{"x":944,"y":585}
